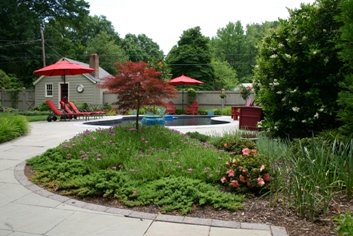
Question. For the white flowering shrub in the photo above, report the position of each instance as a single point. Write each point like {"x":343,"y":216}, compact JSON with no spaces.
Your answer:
{"x":297,"y":72}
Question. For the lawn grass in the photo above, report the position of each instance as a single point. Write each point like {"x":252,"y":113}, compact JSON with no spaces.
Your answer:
{"x":153,"y":166}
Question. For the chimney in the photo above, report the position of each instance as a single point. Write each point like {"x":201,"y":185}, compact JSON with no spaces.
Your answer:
{"x":94,"y":63}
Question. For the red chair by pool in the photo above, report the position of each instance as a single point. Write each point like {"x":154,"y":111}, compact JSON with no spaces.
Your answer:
{"x":170,"y":108}
{"x":93,"y":113}
{"x":57,"y":112}
{"x":75,"y":115}
{"x":192,"y":109}
{"x":235,"y":110}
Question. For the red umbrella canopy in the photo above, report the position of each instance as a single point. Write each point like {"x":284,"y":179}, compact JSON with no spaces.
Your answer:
{"x":63,"y":68}
{"x":184,"y":80}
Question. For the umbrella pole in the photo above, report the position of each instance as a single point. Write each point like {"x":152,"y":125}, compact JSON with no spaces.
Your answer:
{"x":182,"y":100}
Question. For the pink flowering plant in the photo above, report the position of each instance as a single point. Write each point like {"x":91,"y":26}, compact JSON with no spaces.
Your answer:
{"x":247,"y":172}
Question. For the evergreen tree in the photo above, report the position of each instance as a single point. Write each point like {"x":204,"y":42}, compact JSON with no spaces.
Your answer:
{"x":192,"y":57}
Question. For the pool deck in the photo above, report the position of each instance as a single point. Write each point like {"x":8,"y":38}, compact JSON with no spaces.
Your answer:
{"x":28,"y":210}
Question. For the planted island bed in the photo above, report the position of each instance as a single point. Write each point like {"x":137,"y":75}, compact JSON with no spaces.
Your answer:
{"x":158,"y":170}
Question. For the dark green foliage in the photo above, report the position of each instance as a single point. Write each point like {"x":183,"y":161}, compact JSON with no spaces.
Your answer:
{"x":141,"y":48}
{"x":196,"y":135}
{"x":345,"y":99}
{"x":238,"y":48}
{"x":192,"y":57}
{"x":20,"y":34}
{"x":9,"y":82}
{"x":297,"y":74}
{"x":181,"y":193}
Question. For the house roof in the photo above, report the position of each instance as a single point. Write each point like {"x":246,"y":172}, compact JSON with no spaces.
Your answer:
{"x":102,"y":73}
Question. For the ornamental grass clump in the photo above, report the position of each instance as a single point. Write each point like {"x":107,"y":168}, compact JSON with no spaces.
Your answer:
{"x":12,"y":126}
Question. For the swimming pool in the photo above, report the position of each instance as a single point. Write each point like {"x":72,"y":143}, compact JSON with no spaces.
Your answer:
{"x":177,"y":120}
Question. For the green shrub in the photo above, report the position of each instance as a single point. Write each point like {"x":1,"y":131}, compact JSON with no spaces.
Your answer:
{"x":283,"y":80}
{"x":12,"y":126}
{"x":42,"y":107}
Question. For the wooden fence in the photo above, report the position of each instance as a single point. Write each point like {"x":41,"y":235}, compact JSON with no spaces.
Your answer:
{"x":22,"y":100}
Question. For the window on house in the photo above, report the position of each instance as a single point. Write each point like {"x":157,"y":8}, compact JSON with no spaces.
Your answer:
{"x":48,"y":90}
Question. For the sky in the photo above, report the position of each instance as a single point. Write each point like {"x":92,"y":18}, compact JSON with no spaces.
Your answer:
{"x":164,"y":21}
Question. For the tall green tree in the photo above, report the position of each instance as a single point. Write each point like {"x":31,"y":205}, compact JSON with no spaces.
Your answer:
{"x":225,"y":75}
{"x":297,"y":73}
{"x":20,"y":48}
{"x":229,"y":45}
{"x":108,"y":50}
{"x":238,"y":47}
{"x":345,"y":44}
{"x":141,"y":48}
{"x":78,"y":41}
{"x":192,"y":57}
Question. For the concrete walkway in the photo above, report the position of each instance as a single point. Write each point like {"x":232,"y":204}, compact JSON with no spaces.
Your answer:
{"x":27,"y":210}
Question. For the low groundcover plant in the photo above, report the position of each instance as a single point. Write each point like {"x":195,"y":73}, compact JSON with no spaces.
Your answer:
{"x":155,"y":166}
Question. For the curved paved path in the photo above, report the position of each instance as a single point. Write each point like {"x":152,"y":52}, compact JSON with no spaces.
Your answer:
{"x":27,"y":210}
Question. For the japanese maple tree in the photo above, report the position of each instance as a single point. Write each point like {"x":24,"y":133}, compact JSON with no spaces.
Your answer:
{"x":138,"y":85}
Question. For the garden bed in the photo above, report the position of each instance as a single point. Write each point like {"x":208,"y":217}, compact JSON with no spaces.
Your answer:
{"x":226,"y":178}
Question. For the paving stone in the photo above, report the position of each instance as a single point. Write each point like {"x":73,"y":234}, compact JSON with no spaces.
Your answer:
{"x":30,"y":219}
{"x":197,"y":221}
{"x":216,"y":231}
{"x":10,"y":192}
{"x":278,"y":231}
{"x":227,"y":224}
{"x":5,"y":232}
{"x":143,"y":215}
{"x":6,"y":176}
{"x":95,"y":207}
{"x":7,"y":164}
{"x":118,"y":211}
{"x":170,"y":218}
{"x":254,"y":226}
{"x":90,"y":224}
{"x":23,"y":234}
{"x":174,"y":229}
{"x":35,"y":200}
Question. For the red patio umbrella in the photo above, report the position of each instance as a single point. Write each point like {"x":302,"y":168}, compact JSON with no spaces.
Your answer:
{"x":184,"y":80}
{"x":63,"y":68}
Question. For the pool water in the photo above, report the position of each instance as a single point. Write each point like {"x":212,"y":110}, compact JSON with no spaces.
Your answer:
{"x":169,"y":121}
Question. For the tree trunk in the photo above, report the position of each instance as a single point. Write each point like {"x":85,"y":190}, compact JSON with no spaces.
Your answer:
{"x":137,"y":116}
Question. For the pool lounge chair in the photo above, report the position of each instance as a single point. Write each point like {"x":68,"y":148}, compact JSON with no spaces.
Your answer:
{"x":56,"y":112}
{"x":91,"y":113}
{"x":75,"y":115}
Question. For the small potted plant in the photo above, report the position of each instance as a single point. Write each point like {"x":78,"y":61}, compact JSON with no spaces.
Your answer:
{"x":246,"y":91}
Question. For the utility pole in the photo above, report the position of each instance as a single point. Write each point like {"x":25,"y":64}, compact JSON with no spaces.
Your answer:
{"x":43,"y":44}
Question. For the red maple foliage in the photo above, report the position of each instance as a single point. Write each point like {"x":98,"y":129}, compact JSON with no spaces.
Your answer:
{"x":138,"y":85}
